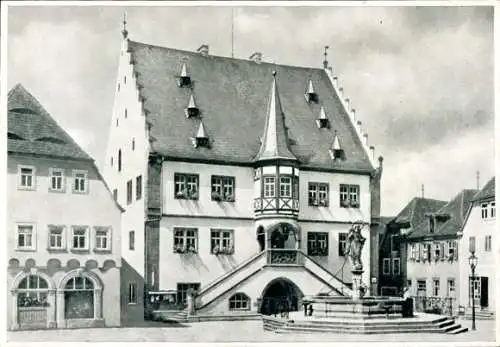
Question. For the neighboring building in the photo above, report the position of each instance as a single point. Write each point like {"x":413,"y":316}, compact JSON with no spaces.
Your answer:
{"x":237,"y":182}
{"x":63,"y":228}
{"x":479,"y":232}
{"x":432,"y":256}
{"x":392,"y":251}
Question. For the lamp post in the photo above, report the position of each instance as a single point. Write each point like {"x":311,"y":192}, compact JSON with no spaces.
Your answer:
{"x":473,"y":264}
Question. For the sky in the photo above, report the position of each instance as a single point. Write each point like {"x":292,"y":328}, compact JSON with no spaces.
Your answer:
{"x":420,"y":78}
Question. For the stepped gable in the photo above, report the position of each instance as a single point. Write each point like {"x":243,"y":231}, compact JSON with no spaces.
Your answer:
{"x":232,"y":96}
{"x":31,"y":129}
{"x":487,"y":192}
{"x":454,"y":211}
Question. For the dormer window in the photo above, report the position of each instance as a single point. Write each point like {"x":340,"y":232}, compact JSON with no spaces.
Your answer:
{"x":192,"y":110}
{"x":201,"y":138}
{"x":322,"y":121}
{"x":184,"y":79}
{"x":336,"y":152}
{"x":432,"y":224}
{"x":311,"y":95}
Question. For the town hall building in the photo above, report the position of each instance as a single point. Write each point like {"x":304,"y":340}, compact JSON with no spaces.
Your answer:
{"x":240,"y":180}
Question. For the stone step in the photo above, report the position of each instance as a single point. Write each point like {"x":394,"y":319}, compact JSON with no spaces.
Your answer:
{"x":365,"y":331}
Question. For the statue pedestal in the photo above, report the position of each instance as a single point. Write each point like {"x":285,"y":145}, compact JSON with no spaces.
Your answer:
{"x":357,"y":289}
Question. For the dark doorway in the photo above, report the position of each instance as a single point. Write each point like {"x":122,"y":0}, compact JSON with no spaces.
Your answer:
{"x":261,"y":238}
{"x":278,"y":239}
{"x":280,"y":295}
{"x":484,"y":292}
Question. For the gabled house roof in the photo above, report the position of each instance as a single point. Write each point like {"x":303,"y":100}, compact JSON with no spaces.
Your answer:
{"x":233,"y":98}
{"x":456,"y":211}
{"x":31,"y":130}
{"x":413,"y":214}
{"x":487,"y":192}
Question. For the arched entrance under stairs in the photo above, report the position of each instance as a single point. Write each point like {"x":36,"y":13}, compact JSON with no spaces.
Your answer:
{"x":280,"y":295}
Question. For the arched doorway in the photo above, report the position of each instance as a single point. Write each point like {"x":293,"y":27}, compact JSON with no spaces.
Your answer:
{"x":280,"y":295}
{"x":32,"y":302}
{"x":79,"y":298}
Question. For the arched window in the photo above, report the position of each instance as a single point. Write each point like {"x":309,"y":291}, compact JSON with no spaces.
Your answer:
{"x":33,"y":291}
{"x":119,"y":160}
{"x":239,"y":301}
{"x":79,"y":298}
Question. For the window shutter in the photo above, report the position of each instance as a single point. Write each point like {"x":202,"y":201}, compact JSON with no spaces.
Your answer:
{"x":455,"y":245}
{"x":442,"y":250}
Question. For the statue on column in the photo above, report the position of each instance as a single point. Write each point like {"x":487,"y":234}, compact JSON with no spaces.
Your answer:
{"x":354,"y":246}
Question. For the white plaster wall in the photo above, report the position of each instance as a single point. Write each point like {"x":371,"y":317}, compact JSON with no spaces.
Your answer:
{"x":486,"y":265}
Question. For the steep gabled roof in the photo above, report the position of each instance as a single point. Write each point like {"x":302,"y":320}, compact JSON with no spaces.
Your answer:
{"x":275,"y":142}
{"x":232,"y":96}
{"x":414,"y":212}
{"x":31,"y":130}
{"x":487,"y":192}
{"x":456,"y":209}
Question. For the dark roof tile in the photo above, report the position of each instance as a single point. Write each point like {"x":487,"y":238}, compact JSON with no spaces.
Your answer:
{"x":232,"y":95}
{"x":487,"y":192}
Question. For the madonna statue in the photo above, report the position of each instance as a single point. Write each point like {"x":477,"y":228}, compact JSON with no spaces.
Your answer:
{"x":354,"y":246}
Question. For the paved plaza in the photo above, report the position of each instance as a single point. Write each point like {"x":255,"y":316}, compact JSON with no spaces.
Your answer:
{"x":235,"y":331}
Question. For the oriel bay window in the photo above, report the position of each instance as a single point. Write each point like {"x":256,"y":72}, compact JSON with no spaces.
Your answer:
{"x":223,"y":188}
{"x":277,"y":188}
{"x":185,"y":240}
{"x":186,"y":186}
{"x":317,"y":243}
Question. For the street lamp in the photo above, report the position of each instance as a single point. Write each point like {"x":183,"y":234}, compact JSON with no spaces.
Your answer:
{"x":473,"y":264}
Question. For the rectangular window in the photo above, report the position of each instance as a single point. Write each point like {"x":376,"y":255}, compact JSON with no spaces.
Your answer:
{"x":484,"y":211}
{"x":79,"y":238}
{"x":437,"y":251}
{"x":413,"y":251}
{"x":386,"y":266}
{"x":80,"y":181}
{"x":493,"y":212}
{"x":487,"y":243}
{"x":285,"y":186}
{"x":342,"y":244}
{"x":56,"y":237}
{"x":222,"y":241}
{"x":132,"y":293}
{"x":26,"y":177}
{"x":317,"y":243}
{"x":185,"y":240}
{"x":25,"y":237}
{"x":138,"y":187}
{"x":421,"y":287}
{"x":129,"y":191}
{"x":186,"y":186}
{"x":183,"y":289}
{"x":451,"y":287}
{"x":56,"y":180}
{"x":318,"y":194}
{"x":349,"y":195}
{"x":102,"y":238}
{"x":396,"y":266}
{"x":435,"y":287}
{"x":269,"y":187}
{"x":451,"y":250}
{"x":223,"y":188}
{"x":131,"y":240}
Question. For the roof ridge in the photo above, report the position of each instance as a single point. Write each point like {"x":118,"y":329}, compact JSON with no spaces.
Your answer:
{"x":225,"y":57}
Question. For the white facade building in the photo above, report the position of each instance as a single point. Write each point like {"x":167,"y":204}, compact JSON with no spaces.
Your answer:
{"x":479,"y":232}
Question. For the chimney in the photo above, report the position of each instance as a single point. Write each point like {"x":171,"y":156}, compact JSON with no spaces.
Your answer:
{"x":341,"y":92}
{"x":203,"y":50}
{"x":354,"y":114}
{"x":372,"y":151}
{"x":348,"y":104}
{"x":477,"y":180}
{"x":256,"y":57}
{"x":365,"y":136}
